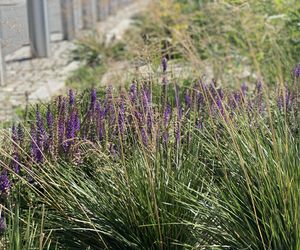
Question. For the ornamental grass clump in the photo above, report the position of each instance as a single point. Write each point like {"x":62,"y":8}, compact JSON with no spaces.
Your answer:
{"x":161,"y":167}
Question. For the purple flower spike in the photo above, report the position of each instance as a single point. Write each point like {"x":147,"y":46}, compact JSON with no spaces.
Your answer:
{"x":93,"y":98}
{"x":165,"y":137}
{"x":149,"y":121}
{"x":40,"y":133}
{"x":244,"y":89}
{"x":200,"y":100}
{"x":97,"y":108}
{"x":20,"y":133}
{"x":187,"y":99}
{"x":296,"y":72}
{"x":198,"y":124}
{"x":49,"y":118}
{"x":144,"y":137}
{"x":146,"y":99}
{"x":14,"y":136}
{"x":40,"y":124}
{"x":121,"y":116}
{"x":259,"y":87}
{"x":167,"y":114}
{"x":177,"y":133}
{"x":71,"y":130}
{"x":212,"y":90}
{"x":164,"y":63}
{"x":15,"y":163}
{"x":220,"y":107}
{"x":77,"y":122}
{"x":101,"y":128}
{"x":139,"y":117}
{"x":133,"y":92}
{"x":61,"y":129}
{"x":287,"y":98}
{"x":33,"y":147}
{"x":4,"y":183}
{"x":284,"y":99}
{"x":71,"y":98}
{"x":2,"y":224}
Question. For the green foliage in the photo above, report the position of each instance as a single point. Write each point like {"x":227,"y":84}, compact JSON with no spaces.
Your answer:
{"x":233,"y":183}
{"x":94,"y":57}
{"x":248,"y":39}
{"x":86,"y":77}
{"x":25,"y":229}
{"x":255,"y":203}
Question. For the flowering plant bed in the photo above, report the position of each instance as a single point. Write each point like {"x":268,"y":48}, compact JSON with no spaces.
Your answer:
{"x":156,"y":166}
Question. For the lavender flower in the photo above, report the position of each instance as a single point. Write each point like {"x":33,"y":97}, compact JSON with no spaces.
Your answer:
{"x":100,"y":116}
{"x":296,"y":72}
{"x":165,"y":137}
{"x":20,"y":133}
{"x":259,"y":87}
{"x":93,"y":98}
{"x":235,"y":100}
{"x":220,"y":93}
{"x":133,"y":92}
{"x":2,"y":224}
{"x":77,"y":122}
{"x":71,"y":98}
{"x":244,"y":89}
{"x":144,"y":136}
{"x":97,"y":108}
{"x":212,"y":91}
{"x":101,"y":131}
{"x":164,"y":63}
{"x":200,"y":100}
{"x":61,"y":129}
{"x":259,"y":97}
{"x":33,"y":141}
{"x":14,"y":136}
{"x":187,"y":99}
{"x":198,"y":124}
{"x":71,"y":129}
{"x":280,"y":102}
{"x":49,"y":118}
{"x":15,"y":163}
{"x":177,"y":134}
{"x":149,"y":121}
{"x":167,"y":114}
{"x":220,"y":107}
{"x":4,"y":182}
{"x":283,"y":99}
{"x":139,"y":117}
{"x":121,"y":116}
{"x":35,"y":147}
{"x":40,"y":131}
{"x":146,"y":99}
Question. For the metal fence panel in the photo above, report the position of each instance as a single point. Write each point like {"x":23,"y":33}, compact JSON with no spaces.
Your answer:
{"x":13,"y":25}
{"x":55,"y":21}
{"x":38,"y":23}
